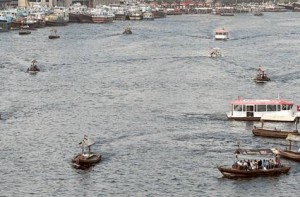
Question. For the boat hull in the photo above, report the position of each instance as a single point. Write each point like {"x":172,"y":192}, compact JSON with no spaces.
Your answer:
{"x":74,"y":18}
{"x":102,"y":19}
{"x":24,"y":32}
{"x":271,"y":133}
{"x":82,"y":161}
{"x":235,"y":173}
{"x":53,"y":37}
{"x":244,"y":118}
{"x":295,"y":156}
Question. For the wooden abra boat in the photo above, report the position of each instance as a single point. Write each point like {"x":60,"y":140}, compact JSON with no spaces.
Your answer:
{"x":215,"y":52}
{"x":33,"y":69}
{"x":271,"y":132}
{"x":289,"y":154}
{"x":24,"y":30}
{"x":261,"y":76}
{"x":236,"y":173}
{"x":54,"y":34}
{"x":275,"y":133}
{"x":243,"y":168}
{"x":86,"y":159}
{"x":127,"y":30}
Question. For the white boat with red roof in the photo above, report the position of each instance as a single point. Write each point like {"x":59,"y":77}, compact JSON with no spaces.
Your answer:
{"x":278,"y":110}
{"x":221,"y":34}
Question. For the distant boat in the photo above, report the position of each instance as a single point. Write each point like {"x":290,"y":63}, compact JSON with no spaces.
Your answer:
{"x":215,"y":52}
{"x":226,"y":14}
{"x":24,"y":30}
{"x":148,"y":16}
{"x":127,"y":30}
{"x":86,"y":159}
{"x":261,"y":76}
{"x":221,"y":34}
{"x":136,"y":15}
{"x":258,"y":13}
{"x":54,"y":34}
{"x":33,"y":69}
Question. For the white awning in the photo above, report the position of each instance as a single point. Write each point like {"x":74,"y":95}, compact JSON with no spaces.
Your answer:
{"x":293,"y":137}
{"x":278,"y":118}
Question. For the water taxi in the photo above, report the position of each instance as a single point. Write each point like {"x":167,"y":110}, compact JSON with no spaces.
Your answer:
{"x":221,"y":34}
{"x":215,"y":52}
{"x":54,"y":34}
{"x":235,"y":172}
{"x":273,"y":133}
{"x":289,"y":154}
{"x":261,"y":76}
{"x":33,"y":68}
{"x":276,"y":110}
{"x":260,"y":165}
{"x":85,"y":160}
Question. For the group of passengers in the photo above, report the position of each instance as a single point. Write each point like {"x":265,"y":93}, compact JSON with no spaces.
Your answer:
{"x":257,"y":164}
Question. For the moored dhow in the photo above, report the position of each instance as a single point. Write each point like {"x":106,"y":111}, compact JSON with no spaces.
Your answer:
{"x":277,"y":110}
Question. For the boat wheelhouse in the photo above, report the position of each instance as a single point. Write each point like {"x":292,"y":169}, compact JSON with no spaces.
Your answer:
{"x":278,"y":110}
{"x":221,"y":34}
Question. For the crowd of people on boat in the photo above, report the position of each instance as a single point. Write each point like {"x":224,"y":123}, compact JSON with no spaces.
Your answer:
{"x":264,"y":164}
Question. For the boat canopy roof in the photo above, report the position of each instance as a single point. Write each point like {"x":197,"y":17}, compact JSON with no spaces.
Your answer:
{"x":268,"y":117}
{"x":261,"y":102}
{"x":293,"y":137}
{"x":253,"y":151}
{"x":86,"y":142}
{"x":221,"y":31}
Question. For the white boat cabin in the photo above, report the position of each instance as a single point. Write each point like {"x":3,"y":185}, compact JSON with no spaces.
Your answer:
{"x":253,"y":110}
{"x":221,"y":34}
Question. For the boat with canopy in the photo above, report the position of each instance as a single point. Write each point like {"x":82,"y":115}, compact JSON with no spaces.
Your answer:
{"x":274,"y":133}
{"x":257,"y":164}
{"x":86,"y":159}
{"x":289,"y":153}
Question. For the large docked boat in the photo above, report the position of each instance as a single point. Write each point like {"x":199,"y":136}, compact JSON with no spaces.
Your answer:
{"x":5,"y":22}
{"x":277,"y":110}
{"x":136,"y":15}
{"x":59,"y":17}
{"x":74,"y":11}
